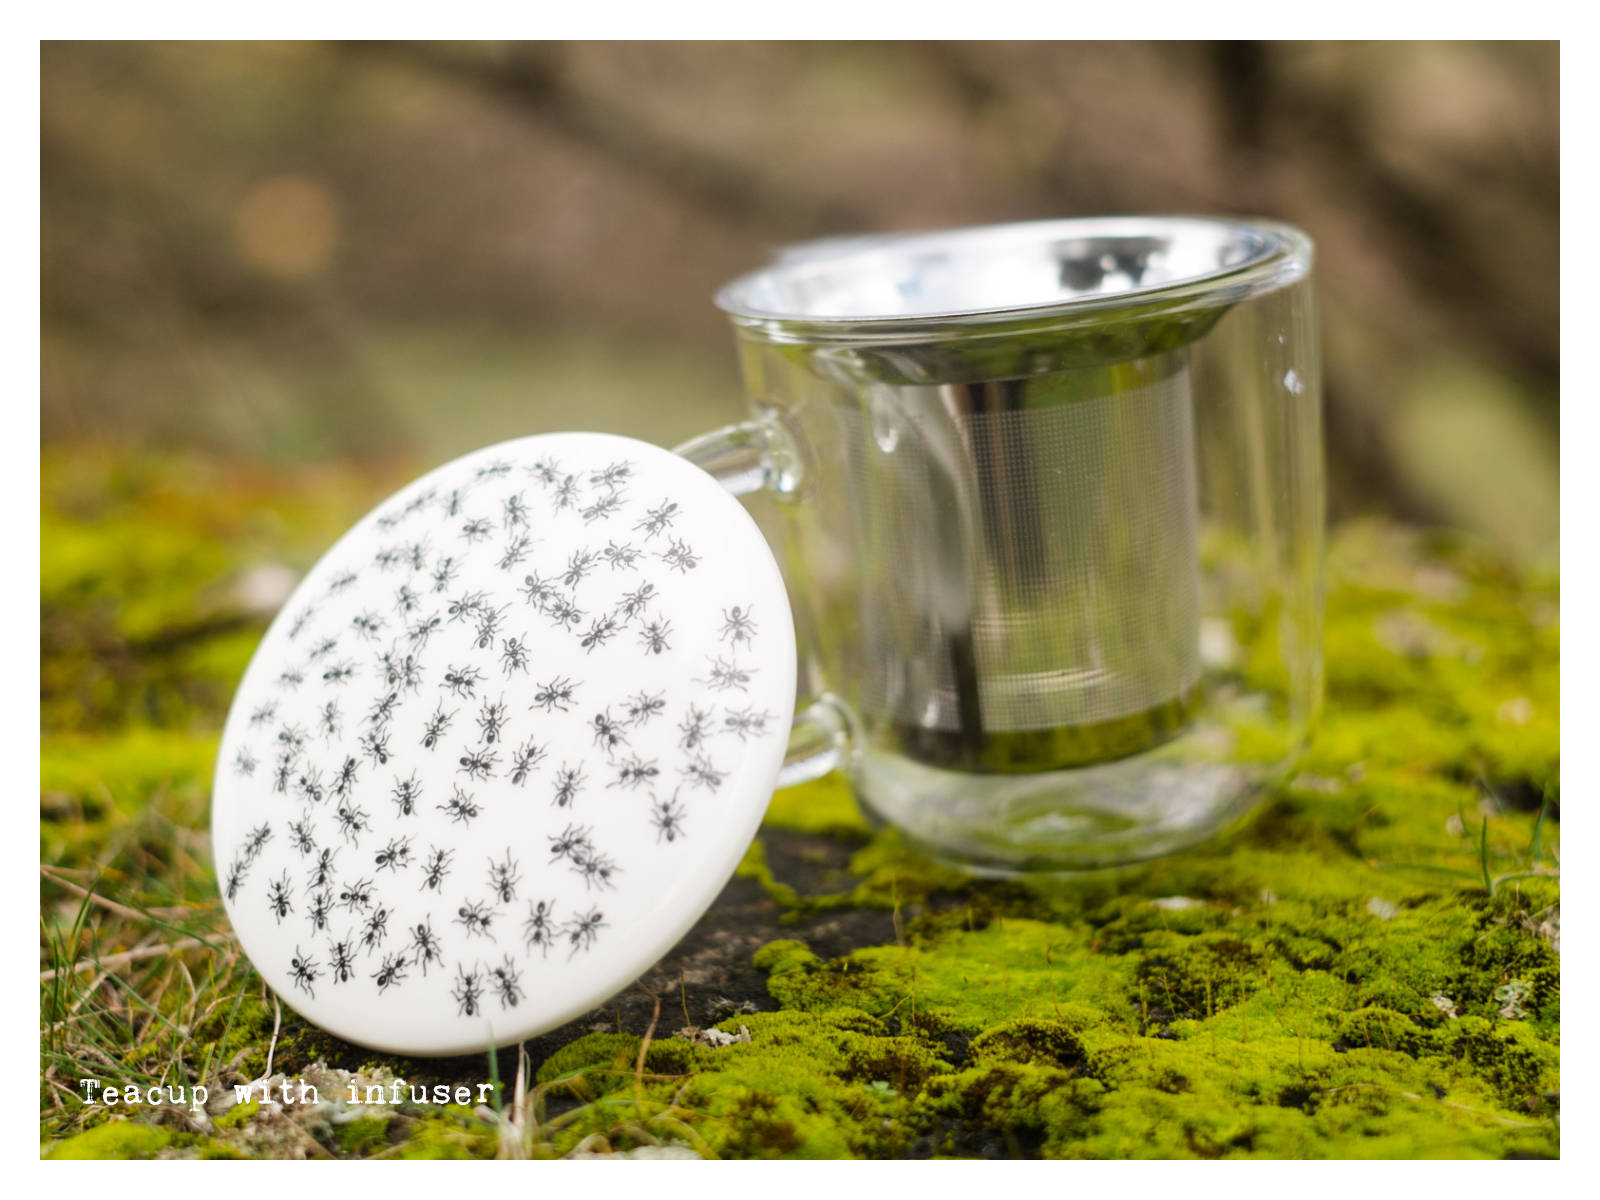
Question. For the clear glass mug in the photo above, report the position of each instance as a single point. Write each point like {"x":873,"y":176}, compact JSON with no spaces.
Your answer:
{"x":1053,"y":524}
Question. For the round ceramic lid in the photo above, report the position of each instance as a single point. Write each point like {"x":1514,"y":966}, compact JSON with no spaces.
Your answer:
{"x":504,"y":744}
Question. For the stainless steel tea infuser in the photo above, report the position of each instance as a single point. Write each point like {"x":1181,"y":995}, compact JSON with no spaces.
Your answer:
{"x":1052,"y":510}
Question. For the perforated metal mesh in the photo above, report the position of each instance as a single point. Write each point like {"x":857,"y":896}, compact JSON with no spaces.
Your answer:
{"x":1027,"y":548}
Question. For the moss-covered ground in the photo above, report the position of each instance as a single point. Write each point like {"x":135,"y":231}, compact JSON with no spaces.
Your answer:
{"x":1369,"y":967}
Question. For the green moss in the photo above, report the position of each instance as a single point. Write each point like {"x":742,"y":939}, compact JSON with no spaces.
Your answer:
{"x":447,"y":1136}
{"x":114,"y":1139}
{"x":1329,"y":980}
{"x":238,"y":1115}
{"x":361,"y":1136}
{"x":826,"y":807}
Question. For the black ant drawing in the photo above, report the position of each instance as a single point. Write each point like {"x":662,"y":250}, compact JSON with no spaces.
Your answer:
{"x":475,"y":917}
{"x":357,"y":895}
{"x":737,"y":626}
{"x":329,"y":721}
{"x":514,"y":655}
{"x":644,"y":706}
{"x":389,"y":557}
{"x":569,"y":781}
{"x":577,"y":567}
{"x":701,"y":772}
{"x":426,"y":944}
{"x":304,"y":970}
{"x":528,"y":756}
{"x":289,"y":678}
{"x":406,"y":793}
{"x":475,"y":529}
{"x":301,"y":620}
{"x":435,"y":869}
{"x":391,"y":972}
{"x":339,"y":674}
{"x":445,"y":572}
{"x":346,"y":779}
{"x":503,"y":879}
{"x":278,"y":893}
{"x":654,"y":635}
{"x":405,"y":599}
{"x":282,"y":772}
{"x":420,"y":632}
{"x":505,"y":983}
{"x":417,"y":555}
{"x":437,"y":724}
{"x":564,"y":613}
{"x":658,"y":519}
{"x":632,"y":603}
{"x":607,"y":731}
{"x":324,"y":648}
{"x":466,"y":993}
{"x":667,"y":817}
{"x":343,"y":960}
{"x":498,"y":469}
{"x":538,"y":590}
{"x":376,"y":928}
{"x":368,"y":625}
{"x":695,"y":727}
{"x":451,"y":502}
{"x":596,"y":870}
{"x":478,"y":765}
{"x":572,"y":842}
{"x":395,"y":855}
{"x":516,"y":550}
{"x":460,"y":806}
{"x":319,"y":912}
{"x":468,"y":604}
{"x":600,"y":631}
{"x":566,"y":494}
{"x":680,"y":556}
{"x":352,"y":821}
{"x":383,"y":710}
{"x":726,"y":674}
{"x":237,"y":870}
{"x":462,"y":681}
{"x":547,"y":470}
{"x":633,"y":772}
{"x":322,"y":870}
{"x":557,"y":694}
{"x":309,"y":784}
{"x":492,"y":721}
{"x":746,"y":722}
{"x":540,"y":929}
{"x":602,"y":508}
{"x":612,"y":475}
{"x":300,"y":835}
{"x":488,"y":625}
{"x":375,"y":745}
{"x":581,"y":932}
{"x":264,"y":713}
{"x":400,"y":670}
{"x":292,"y":738}
{"x":514,"y":512}
{"x":244,"y":763}
{"x":341,"y":582}
{"x":419,"y":502}
{"x":256,"y":841}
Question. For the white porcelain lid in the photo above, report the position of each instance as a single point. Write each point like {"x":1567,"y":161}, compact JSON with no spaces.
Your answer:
{"x":504,"y":744}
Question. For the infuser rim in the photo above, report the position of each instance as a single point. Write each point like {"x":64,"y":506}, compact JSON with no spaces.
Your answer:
{"x":1254,"y":255}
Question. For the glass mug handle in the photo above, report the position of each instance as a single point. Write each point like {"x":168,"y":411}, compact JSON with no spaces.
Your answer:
{"x":759,"y":455}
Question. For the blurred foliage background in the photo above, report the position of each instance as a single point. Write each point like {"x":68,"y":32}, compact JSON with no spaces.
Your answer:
{"x":385,"y":254}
